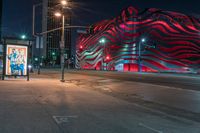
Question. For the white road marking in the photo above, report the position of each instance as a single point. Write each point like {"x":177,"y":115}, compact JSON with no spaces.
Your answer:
{"x":165,"y":114}
{"x":105,"y":80}
{"x":63,"y":119}
{"x":150,"y":128}
{"x":106,"y":89}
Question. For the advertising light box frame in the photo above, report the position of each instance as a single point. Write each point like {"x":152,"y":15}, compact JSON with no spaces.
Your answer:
{"x":16,"y":57}
{"x":16,"y":60}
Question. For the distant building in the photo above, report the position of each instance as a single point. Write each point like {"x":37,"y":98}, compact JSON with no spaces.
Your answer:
{"x":1,"y":5}
{"x":51,"y":42}
{"x":150,"y":40}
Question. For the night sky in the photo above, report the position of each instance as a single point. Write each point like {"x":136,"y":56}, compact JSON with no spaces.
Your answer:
{"x":17,"y":14}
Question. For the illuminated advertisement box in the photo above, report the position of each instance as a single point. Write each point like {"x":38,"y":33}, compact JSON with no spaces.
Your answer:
{"x":16,"y":60}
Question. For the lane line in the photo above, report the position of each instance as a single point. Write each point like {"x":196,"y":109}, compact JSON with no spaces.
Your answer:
{"x":150,"y":128}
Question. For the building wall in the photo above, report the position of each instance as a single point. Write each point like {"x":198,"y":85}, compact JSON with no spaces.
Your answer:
{"x":52,"y":39}
{"x":44,"y":25}
{"x":171,"y":42}
{"x":1,"y":48}
{"x":1,"y":6}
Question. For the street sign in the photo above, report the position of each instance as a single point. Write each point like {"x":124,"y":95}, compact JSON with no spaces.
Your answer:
{"x":39,"y":42}
{"x":82,"y":31}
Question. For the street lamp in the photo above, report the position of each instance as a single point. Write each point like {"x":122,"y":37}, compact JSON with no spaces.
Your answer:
{"x":58,"y":14}
{"x":62,"y":43}
{"x":102,"y":41}
{"x":23,"y":37}
{"x":63,"y":2}
{"x":37,"y":35}
{"x":139,"y":54}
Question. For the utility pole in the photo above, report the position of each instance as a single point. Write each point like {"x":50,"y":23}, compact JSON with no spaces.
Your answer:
{"x":62,"y":46}
{"x":139,"y":55}
{"x":35,"y":35}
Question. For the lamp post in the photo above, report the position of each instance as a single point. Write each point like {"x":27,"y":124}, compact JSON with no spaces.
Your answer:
{"x":139,"y":54}
{"x":62,"y":46}
{"x":62,"y":43}
{"x":102,"y":41}
{"x":36,"y":35}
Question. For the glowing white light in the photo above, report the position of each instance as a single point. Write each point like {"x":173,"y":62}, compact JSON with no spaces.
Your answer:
{"x":143,"y":40}
{"x":58,"y":14}
{"x":103,"y":40}
{"x":29,"y":66}
{"x":63,"y":2}
{"x":23,"y":36}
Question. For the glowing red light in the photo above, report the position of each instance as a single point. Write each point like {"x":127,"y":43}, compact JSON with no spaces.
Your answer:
{"x":81,"y":47}
{"x":107,"y":57}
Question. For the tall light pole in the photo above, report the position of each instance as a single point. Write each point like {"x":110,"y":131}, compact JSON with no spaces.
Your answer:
{"x":33,"y":23}
{"x":62,"y":43}
{"x":102,"y":42}
{"x":139,"y":54}
{"x":36,"y":35}
{"x":62,"y":46}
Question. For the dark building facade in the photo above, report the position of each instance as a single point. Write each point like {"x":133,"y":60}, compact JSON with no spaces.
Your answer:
{"x":1,"y":48}
{"x":1,"y":6}
{"x":52,"y":40}
{"x":151,"y":39}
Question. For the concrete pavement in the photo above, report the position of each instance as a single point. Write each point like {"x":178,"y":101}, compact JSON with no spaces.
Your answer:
{"x":87,"y":104}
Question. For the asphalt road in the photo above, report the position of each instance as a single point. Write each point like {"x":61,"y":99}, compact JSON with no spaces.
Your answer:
{"x":175,"y":94}
{"x":94,"y":104}
{"x":183,"y":81}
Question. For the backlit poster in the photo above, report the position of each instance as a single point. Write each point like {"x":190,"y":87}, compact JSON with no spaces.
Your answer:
{"x":16,"y":60}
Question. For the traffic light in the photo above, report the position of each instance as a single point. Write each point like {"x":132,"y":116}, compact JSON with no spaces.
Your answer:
{"x":81,"y":46}
{"x":107,"y":58}
{"x":91,"y":29}
{"x":72,"y":58}
{"x":36,"y":59}
{"x":53,"y":53}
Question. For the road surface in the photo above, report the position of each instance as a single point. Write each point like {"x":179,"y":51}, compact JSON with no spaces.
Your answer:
{"x":96,"y":104}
